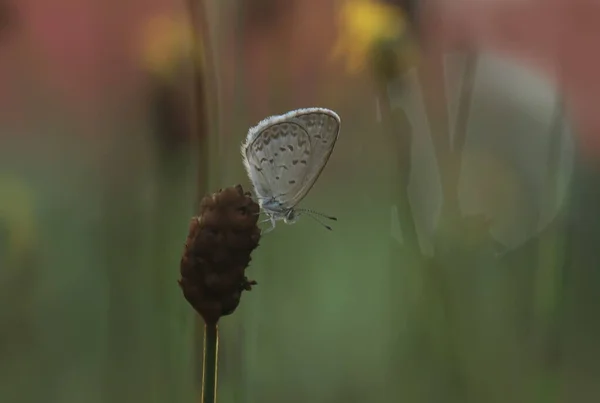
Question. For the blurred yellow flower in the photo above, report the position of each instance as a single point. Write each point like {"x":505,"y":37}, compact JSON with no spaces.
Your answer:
{"x":16,"y":217}
{"x":365,"y":24}
{"x":165,"y":42}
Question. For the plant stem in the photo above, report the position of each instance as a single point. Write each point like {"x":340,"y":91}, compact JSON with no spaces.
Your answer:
{"x":401,"y":138}
{"x":462,"y":122}
{"x":204,"y":123}
{"x":204,"y":92}
{"x":210,"y":361}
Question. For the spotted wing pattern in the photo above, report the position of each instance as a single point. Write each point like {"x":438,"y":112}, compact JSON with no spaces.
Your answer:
{"x":277,"y":160}
{"x":323,"y":128}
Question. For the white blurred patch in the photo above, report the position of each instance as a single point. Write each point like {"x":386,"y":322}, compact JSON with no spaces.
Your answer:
{"x":511,"y":121}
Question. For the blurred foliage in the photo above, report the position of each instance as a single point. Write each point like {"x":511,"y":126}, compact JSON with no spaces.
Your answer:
{"x":166,"y":41}
{"x":370,"y":28}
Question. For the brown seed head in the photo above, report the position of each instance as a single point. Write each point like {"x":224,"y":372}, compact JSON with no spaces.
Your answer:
{"x":217,"y":252}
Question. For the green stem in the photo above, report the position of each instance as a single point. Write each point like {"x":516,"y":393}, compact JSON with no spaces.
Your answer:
{"x":462,"y":125}
{"x":210,"y":363}
{"x":400,"y":135}
{"x":203,"y":94}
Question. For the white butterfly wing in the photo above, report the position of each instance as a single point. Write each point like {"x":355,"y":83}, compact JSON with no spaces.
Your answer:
{"x":284,"y":155}
{"x":277,"y":160}
{"x":323,"y":128}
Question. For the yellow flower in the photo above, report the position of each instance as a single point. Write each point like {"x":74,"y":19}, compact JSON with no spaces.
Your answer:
{"x":363,"y":25}
{"x":17,"y":217}
{"x":165,"y":42}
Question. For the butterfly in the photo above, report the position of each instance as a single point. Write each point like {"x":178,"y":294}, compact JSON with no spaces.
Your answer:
{"x":284,"y":156}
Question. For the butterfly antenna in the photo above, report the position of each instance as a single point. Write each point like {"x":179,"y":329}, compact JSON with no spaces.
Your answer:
{"x":317,"y":220}
{"x":317,"y":213}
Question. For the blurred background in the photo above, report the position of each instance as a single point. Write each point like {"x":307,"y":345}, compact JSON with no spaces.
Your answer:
{"x":464,"y":265}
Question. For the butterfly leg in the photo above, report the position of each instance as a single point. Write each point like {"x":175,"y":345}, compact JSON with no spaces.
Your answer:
{"x":272,"y":221}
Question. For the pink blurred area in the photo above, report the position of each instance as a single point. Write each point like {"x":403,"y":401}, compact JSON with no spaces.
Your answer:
{"x":302,"y":47}
{"x":85,"y":50}
{"x":81,"y":51}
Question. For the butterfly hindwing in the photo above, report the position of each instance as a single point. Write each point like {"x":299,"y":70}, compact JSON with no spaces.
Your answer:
{"x":323,"y":127}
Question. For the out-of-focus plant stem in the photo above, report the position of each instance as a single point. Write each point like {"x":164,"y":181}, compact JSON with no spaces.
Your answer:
{"x":436,"y":102}
{"x":448,"y":150}
{"x":553,"y":249}
{"x":210,"y":363}
{"x":464,"y":108}
{"x":401,"y":137}
{"x":204,"y":92}
{"x":460,"y":129}
{"x":205,"y":120}
{"x":431,"y":80}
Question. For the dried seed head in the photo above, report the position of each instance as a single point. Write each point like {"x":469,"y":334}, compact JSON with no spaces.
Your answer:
{"x":217,"y":252}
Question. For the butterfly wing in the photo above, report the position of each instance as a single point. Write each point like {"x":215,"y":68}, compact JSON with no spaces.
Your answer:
{"x":323,"y":128}
{"x":276,"y":160}
{"x":284,"y":155}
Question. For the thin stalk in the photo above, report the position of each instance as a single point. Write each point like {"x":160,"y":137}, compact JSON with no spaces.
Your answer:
{"x":401,"y":139}
{"x":433,"y":83}
{"x":551,"y":257}
{"x":464,"y":103}
{"x":204,"y":92}
{"x":210,"y":362}
{"x":204,"y":124}
{"x":554,"y":155}
{"x":461,"y":128}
